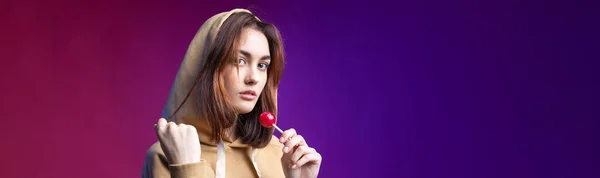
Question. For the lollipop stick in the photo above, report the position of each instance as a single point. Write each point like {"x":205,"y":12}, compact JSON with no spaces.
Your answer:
{"x":278,"y":129}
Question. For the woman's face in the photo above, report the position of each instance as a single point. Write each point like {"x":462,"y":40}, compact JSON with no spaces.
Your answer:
{"x":245,"y":86}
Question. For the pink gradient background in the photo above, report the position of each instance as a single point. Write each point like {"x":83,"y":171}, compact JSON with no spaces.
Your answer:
{"x":83,"y":82}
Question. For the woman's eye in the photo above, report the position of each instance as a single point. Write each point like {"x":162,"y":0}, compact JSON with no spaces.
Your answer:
{"x":241,"y":61}
{"x":263,"y":66}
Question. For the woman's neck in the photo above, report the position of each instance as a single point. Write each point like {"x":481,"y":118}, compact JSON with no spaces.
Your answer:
{"x":231,"y":133}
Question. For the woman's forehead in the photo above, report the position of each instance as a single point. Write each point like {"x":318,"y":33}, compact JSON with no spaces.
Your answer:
{"x":254,"y":43}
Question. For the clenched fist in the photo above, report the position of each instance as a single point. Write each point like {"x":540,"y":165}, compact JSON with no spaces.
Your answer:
{"x":180,"y":143}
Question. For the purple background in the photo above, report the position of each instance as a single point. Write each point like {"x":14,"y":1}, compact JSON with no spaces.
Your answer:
{"x":404,"y":89}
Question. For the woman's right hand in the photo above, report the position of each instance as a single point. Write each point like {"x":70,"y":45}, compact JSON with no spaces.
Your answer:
{"x":180,"y":143}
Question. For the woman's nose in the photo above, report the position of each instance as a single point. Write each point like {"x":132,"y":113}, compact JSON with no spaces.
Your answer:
{"x":251,"y":77}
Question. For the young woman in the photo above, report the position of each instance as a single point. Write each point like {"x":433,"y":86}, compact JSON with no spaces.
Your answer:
{"x":228,"y":77}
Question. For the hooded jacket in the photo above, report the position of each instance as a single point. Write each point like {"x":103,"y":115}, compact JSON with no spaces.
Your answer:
{"x":237,"y":159}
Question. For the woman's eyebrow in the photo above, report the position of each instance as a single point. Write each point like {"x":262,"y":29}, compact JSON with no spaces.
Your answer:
{"x":247,"y":54}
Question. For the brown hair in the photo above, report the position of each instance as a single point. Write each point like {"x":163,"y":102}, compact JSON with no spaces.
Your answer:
{"x":213,"y":102}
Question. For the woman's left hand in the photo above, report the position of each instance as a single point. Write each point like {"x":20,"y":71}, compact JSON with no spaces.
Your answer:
{"x":299,"y":160}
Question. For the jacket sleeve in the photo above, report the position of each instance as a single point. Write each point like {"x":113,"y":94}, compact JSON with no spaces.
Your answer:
{"x":156,"y":166}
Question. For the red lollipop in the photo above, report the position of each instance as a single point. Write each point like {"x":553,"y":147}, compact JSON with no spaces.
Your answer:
{"x":267,"y":120}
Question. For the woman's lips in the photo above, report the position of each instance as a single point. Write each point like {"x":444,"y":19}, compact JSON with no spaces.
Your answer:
{"x":248,"y":95}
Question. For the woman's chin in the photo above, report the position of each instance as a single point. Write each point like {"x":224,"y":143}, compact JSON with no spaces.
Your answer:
{"x":243,"y":109}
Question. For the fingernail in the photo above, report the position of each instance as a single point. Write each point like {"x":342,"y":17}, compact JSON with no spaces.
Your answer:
{"x":285,"y":149}
{"x":294,"y":166}
{"x":281,"y":140}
